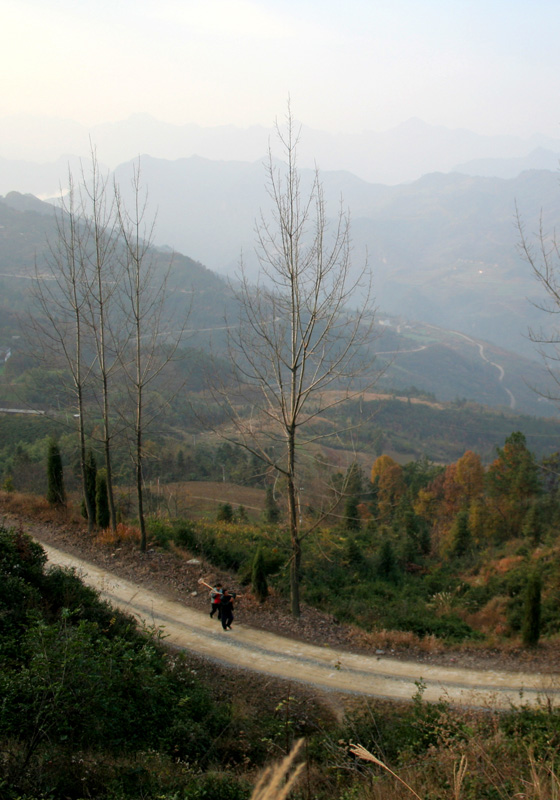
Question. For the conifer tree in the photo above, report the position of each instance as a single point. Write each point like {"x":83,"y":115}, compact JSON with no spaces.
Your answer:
{"x":351,"y":514}
{"x":461,"y":535}
{"x":56,"y":494}
{"x":354,"y":555}
{"x":102,"y":513}
{"x":90,"y":475}
{"x":531,"y":629}
{"x":387,"y":567}
{"x":271,"y":510}
{"x":258,"y":577}
{"x":513,"y":484}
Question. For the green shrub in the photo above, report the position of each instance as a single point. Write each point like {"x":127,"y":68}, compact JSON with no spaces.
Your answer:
{"x":225,"y":513}
{"x":184,"y":534}
{"x":8,"y":484}
{"x":215,"y":785}
{"x":529,"y":727}
{"x":531,"y":630}
{"x":258,"y":577}
{"x":395,"y":733}
{"x":160,"y":532}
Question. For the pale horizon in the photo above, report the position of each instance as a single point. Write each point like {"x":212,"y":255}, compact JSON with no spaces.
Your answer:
{"x":491,"y":68}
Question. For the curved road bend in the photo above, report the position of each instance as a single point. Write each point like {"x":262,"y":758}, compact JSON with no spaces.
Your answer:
{"x":248,"y":648}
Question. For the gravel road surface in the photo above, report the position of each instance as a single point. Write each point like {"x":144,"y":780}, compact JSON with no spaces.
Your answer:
{"x":325,"y":667}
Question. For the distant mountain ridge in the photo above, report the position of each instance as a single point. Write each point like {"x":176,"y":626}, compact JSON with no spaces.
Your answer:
{"x":403,"y":153}
{"x":507,"y":168}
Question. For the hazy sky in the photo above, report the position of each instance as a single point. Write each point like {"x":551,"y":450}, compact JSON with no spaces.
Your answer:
{"x":489,"y":65}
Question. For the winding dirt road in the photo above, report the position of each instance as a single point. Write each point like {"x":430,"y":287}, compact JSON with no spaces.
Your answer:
{"x":343,"y":672}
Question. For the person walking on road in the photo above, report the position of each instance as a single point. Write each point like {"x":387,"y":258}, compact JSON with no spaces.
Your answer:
{"x":226,"y":608}
{"x":215,"y":597}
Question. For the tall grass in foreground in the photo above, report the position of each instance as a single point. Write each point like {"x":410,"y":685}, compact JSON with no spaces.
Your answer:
{"x":277,"y":782}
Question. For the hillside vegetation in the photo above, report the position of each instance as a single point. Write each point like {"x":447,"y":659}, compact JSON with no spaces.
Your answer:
{"x":436,"y":553}
{"x":94,"y":707}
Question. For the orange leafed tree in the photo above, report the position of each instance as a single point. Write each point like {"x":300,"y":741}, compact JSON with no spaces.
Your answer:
{"x":387,"y":476}
{"x":469,"y":476}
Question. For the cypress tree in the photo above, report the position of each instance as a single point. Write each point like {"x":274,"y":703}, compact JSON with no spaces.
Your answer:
{"x":56,"y":494}
{"x":461,"y":533}
{"x":387,"y":566}
{"x":531,"y":629}
{"x":102,"y":514}
{"x":258,"y":577}
{"x":90,"y":474}
{"x":351,"y":514}
{"x":353,"y":554}
{"x":271,"y":510}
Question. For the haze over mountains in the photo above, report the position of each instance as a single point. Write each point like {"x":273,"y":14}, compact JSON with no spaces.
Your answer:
{"x":449,"y":366}
{"x":438,"y":223}
{"x":442,"y":249}
{"x":398,"y":155}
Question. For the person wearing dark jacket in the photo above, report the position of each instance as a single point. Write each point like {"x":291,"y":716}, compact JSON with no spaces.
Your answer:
{"x":226,"y":609}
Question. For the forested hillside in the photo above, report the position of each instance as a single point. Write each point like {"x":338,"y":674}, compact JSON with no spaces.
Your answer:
{"x":446,"y":365}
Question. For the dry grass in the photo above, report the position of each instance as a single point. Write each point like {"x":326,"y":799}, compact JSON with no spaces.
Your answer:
{"x":449,"y":776}
{"x":123,"y":535}
{"x":277,"y":781}
{"x":201,"y":499}
{"x":36,"y":507}
{"x":491,"y":619}
{"x":539,"y":781}
{"x":365,"y":755}
{"x":396,"y":640}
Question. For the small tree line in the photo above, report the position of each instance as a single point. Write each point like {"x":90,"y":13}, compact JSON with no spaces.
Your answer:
{"x":100,"y":311}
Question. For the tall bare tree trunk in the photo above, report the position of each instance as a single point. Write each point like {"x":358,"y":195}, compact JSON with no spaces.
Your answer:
{"x":143,"y":299}
{"x":296,"y":335}
{"x":62,"y":304}
{"x":106,"y":281}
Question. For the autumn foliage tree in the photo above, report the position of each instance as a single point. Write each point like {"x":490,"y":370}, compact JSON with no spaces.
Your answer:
{"x":388,"y":482}
{"x":469,"y":476}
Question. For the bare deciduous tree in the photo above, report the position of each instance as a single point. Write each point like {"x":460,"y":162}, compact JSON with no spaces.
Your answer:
{"x":149,"y":348}
{"x":298,"y":349}
{"x":102,"y":308}
{"x":61,"y":298}
{"x":103,"y":283}
{"x":542,"y":252}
